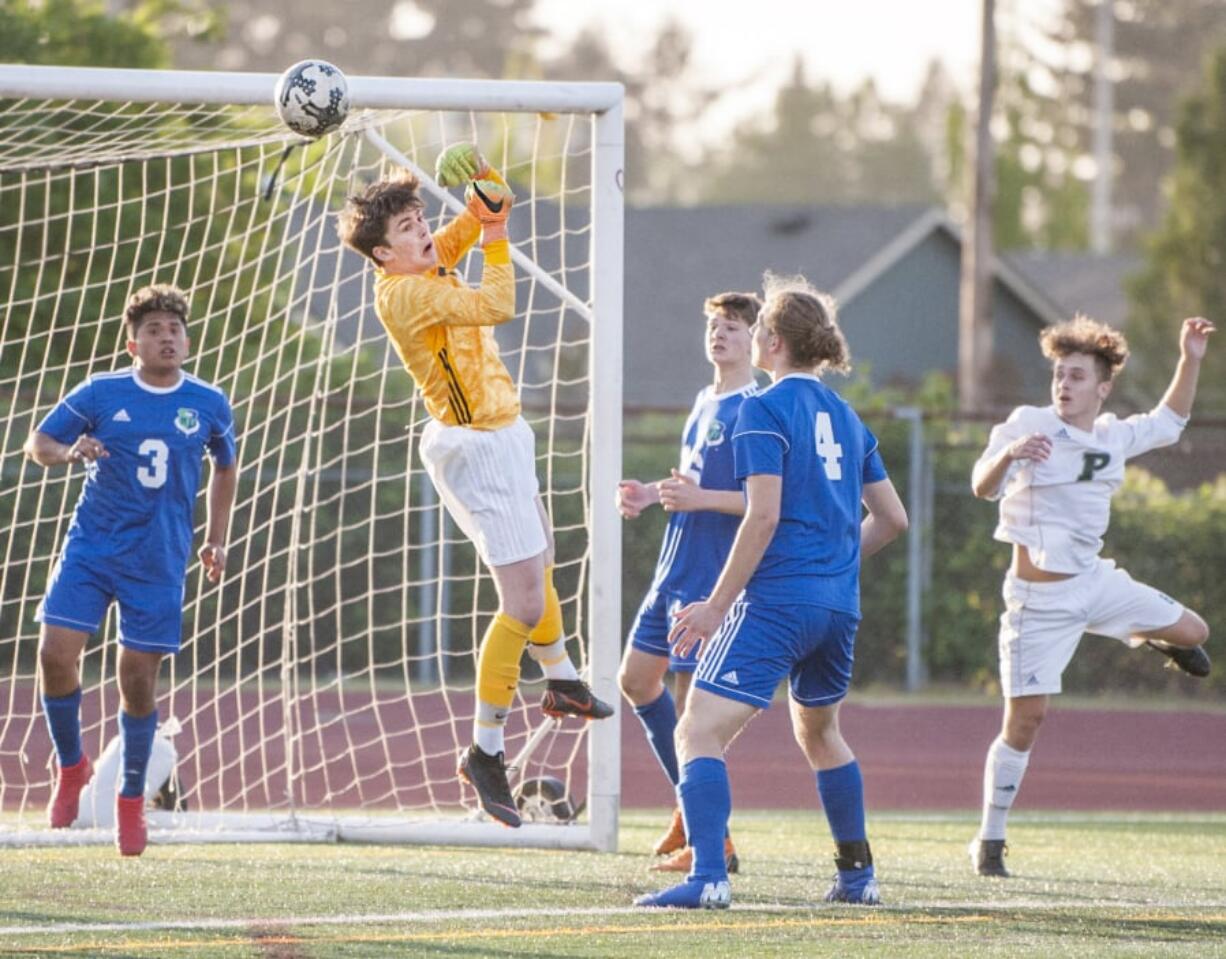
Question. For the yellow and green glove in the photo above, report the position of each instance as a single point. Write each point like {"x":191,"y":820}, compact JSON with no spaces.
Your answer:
{"x":460,"y":164}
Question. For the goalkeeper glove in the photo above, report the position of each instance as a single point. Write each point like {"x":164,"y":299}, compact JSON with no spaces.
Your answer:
{"x":489,"y":201}
{"x":459,"y":164}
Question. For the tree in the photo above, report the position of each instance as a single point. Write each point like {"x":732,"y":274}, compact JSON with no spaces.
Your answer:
{"x":464,"y":38}
{"x":1159,"y":48}
{"x":83,"y":33}
{"x":819,"y":148}
{"x":1185,"y":269}
{"x":662,"y":104}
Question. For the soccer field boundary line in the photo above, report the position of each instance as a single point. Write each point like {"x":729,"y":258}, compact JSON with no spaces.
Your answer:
{"x":433,"y":916}
{"x":1039,"y":817}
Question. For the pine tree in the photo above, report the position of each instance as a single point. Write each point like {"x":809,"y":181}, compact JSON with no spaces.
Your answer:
{"x":1185,"y":271}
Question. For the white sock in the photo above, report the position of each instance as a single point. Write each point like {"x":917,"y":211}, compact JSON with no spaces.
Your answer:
{"x":488,"y":727}
{"x":553,"y":660}
{"x":1002,"y":777}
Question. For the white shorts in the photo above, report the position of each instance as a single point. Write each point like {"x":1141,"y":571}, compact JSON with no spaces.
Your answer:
{"x":487,"y":481}
{"x":1043,"y":622}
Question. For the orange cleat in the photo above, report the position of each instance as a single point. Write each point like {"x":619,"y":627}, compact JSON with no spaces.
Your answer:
{"x":66,"y":800}
{"x":131,"y":832}
{"x":683,"y":861}
{"x":674,"y":838}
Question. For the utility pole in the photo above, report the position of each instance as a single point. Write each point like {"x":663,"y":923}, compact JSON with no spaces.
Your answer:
{"x":975,"y":346}
{"x":1104,"y":133}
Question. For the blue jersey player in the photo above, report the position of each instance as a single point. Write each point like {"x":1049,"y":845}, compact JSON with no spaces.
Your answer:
{"x":787,"y":602}
{"x":141,"y":434}
{"x":705,"y":501}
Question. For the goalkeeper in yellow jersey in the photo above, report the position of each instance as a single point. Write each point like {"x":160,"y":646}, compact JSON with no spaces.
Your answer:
{"x":477,"y":449}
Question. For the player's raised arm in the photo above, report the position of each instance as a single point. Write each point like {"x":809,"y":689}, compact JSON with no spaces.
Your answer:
{"x":1193,"y":344}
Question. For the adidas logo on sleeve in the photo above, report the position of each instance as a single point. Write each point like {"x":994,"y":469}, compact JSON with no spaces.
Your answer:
{"x":121,"y":417}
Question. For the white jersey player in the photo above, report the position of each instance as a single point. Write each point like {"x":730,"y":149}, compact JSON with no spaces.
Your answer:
{"x":1054,"y":470}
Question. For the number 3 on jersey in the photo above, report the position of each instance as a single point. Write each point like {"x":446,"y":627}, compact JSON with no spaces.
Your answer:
{"x":830,"y":451}
{"x":153,"y":476}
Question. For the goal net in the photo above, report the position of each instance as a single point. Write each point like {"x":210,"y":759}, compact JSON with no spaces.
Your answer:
{"x":326,"y":687}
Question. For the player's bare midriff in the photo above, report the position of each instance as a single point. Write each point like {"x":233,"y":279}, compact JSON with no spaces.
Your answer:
{"x":1024,"y":568}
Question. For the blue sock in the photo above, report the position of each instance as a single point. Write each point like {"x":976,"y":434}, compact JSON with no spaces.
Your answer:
{"x":64,"y":722}
{"x":659,"y":719}
{"x":136,"y":739}
{"x":706,"y":802}
{"x":842,"y":793}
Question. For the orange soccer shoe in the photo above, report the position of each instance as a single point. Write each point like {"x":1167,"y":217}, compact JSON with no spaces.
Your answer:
{"x":131,"y":831}
{"x":683,"y":861}
{"x":66,"y":800}
{"x":673,"y":838}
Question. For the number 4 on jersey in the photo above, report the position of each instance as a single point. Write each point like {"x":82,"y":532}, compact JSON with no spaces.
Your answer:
{"x":830,"y":451}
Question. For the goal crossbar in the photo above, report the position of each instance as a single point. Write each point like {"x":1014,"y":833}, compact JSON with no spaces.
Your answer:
{"x":254,"y":89}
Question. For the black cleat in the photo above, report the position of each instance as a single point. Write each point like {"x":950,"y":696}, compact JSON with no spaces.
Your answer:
{"x":988,"y":857}
{"x":1193,"y":660}
{"x":488,"y":776}
{"x":573,"y":697}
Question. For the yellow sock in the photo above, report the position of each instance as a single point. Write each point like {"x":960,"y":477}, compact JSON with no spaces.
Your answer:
{"x":546,"y":642}
{"x":502,"y":647}
{"x":498,"y":660}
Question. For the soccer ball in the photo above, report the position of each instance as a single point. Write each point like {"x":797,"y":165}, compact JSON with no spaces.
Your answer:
{"x":312,"y":98}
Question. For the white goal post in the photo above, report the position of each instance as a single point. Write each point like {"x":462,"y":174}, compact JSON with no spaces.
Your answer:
{"x":325,"y":689}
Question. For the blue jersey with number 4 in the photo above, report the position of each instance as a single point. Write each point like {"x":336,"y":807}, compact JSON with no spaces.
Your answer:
{"x":806,"y":433}
{"x":134,"y":514}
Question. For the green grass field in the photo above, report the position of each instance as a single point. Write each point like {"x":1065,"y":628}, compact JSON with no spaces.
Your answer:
{"x":1084,"y":885}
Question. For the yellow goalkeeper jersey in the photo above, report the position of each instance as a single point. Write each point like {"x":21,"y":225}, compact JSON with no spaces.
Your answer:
{"x":443,"y":330}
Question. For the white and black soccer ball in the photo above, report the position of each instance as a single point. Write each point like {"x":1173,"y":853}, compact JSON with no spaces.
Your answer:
{"x":312,"y":98}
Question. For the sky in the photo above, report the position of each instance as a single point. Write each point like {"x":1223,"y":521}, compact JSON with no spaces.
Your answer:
{"x":844,"y":42}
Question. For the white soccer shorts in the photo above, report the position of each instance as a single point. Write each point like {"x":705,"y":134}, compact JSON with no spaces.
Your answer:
{"x":487,"y":481}
{"x":1043,"y":622}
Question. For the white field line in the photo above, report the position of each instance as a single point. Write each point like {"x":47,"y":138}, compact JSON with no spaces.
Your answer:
{"x":469,"y":915}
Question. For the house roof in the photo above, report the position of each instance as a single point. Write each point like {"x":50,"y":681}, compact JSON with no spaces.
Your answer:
{"x":675,"y":257}
{"x":1080,"y":282}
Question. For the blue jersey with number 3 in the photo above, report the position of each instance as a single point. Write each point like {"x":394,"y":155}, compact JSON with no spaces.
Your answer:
{"x":135,"y":510}
{"x":806,"y":433}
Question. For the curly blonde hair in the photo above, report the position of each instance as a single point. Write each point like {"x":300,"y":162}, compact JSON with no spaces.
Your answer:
{"x":158,"y":298}
{"x":1083,"y":335}
{"x":807,"y":319}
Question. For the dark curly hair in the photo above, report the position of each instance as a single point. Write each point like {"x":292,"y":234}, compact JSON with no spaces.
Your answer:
{"x":158,"y":298}
{"x":1083,"y":335}
{"x":362,"y":224}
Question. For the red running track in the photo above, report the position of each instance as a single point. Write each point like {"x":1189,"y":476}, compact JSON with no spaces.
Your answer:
{"x":380,"y":750}
{"x":931,"y":758}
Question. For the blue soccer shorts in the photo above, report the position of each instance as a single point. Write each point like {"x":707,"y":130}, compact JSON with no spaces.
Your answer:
{"x":649,"y":634}
{"x":81,"y":589}
{"x":758,"y":645}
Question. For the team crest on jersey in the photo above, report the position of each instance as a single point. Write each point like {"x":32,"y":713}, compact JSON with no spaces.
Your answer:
{"x":187,"y":421}
{"x":715,"y":433}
